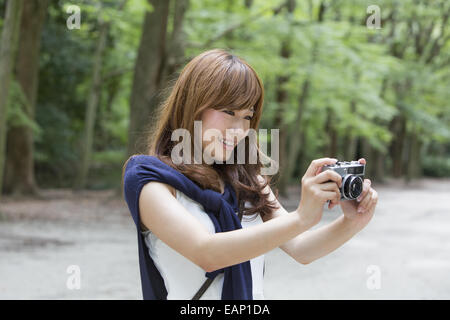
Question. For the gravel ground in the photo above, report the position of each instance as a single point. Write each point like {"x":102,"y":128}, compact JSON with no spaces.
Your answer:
{"x":404,"y":252}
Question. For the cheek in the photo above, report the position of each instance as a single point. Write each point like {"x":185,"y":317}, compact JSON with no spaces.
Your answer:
{"x":212,"y":119}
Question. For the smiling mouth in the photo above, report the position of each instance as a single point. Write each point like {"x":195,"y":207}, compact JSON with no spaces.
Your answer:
{"x":227,"y":143}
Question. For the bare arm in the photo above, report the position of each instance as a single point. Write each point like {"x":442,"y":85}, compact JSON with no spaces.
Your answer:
{"x":172,"y":223}
{"x":314,"y":244}
{"x":319,"y":242}
{"x":229,"y":248}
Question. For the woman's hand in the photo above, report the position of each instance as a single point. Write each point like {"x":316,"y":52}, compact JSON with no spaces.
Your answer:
{"x":316,"y":190}
{"x":360,"y":211}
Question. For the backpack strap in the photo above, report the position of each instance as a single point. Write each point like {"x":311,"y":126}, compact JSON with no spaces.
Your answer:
{"x":203,"y":288}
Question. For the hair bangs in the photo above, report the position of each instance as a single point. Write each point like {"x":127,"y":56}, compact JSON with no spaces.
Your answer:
{"x":240,"y":88}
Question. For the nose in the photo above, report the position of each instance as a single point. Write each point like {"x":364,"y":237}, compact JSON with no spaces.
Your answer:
{"x":238,"y":130}
{"x":239,"y":125}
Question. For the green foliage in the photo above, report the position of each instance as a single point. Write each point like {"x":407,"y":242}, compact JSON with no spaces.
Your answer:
{"x":18,"y":110}
{"x":344,"y":62}
{"x":364,"y":77}
{"x":435,"y":166}
{"x":65,"y":80}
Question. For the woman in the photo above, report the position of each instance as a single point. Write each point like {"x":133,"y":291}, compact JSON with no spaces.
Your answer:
{"x":187,"y":211}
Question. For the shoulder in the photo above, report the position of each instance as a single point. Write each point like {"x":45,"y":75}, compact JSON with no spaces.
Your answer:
{"x":154,"y":198}
{"x":136,"y":171}
{"x":158,"y":187}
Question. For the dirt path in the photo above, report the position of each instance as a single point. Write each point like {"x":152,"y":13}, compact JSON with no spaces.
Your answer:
{"x":404,"y":253}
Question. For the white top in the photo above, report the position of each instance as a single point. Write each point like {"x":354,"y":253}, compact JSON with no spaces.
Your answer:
{"x":182,"y":277}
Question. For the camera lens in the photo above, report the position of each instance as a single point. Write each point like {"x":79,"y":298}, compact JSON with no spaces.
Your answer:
{"x":352,"y":187}
{"x":356,"y":185}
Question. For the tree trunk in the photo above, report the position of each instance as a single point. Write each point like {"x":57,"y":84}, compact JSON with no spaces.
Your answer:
{"x":413,"y":164}
{"x":375,"y":170}
{"x":398,"y":129}
{"x":350,"y":141}
{"x":295,"y":140}
{"x":175,"y":54}
{"x":330,"y":149}
{"x":9,"y":37}
{"x":350,"y":148}
{"x":282,"y":100}
{"x":380,"y":166}
{"x":19,"y":173}
{"x":297,"y":132}
{"x":148,"y":74}
{"x":379,"y":160}
{"x":368,"y":153}
{"x":91,"y":108}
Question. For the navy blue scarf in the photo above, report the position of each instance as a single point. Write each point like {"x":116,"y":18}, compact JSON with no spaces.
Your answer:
{"x":221,"y":209}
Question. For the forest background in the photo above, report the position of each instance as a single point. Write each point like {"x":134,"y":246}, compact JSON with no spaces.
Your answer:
{"x":74,"y":102}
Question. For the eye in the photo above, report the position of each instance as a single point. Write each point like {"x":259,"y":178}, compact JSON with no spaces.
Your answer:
{"x":249,"y":117}
{"x":229,"y":112}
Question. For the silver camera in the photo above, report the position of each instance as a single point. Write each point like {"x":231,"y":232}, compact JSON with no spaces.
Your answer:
{"x":352,"y":173}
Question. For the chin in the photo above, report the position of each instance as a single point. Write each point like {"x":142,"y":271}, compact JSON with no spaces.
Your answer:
{"x":222,"y":156}
{"x":223,"y":160}
{"x":226,"y":157}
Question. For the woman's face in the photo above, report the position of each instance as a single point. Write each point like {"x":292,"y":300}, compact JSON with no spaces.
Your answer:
{"x":222,"y":130}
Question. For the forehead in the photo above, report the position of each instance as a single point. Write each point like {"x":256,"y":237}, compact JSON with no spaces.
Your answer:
{"x":246,"y":109}
{"x":252,"y":109}
{"x":234,"y":108}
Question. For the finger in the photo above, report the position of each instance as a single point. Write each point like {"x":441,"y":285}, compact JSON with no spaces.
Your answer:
{"x":335,"y":202}
{"x":365,"y":203}
{"x":362,"y":161}
{"x":328,"y":175}
{"x":373,"y":202}
{"x":331,"y":205}
{"x":331,"y":186}
{"x":371,"y":206}
{"x":366,"y":186}
{"x":328,"y":186}
{"x":327,"y":195}
{"x":317,"y":164}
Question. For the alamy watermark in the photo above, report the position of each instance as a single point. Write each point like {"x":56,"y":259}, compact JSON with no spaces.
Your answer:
{"x":216,"y":148}
{"x":374,"y":20}
{"x":74,"y":280}
{"x":374,"y":280}
{"x":74,"y":20}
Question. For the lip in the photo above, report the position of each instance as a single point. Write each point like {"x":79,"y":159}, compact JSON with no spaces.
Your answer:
{"x":226,"y":146}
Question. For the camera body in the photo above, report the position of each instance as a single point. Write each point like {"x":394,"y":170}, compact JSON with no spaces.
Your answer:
{"x":352,"y":173}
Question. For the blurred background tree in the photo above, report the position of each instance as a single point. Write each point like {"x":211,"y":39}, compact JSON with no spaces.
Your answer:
{"x":80,"y":101}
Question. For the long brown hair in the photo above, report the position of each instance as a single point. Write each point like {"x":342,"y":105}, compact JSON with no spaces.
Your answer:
{"x":214,"y":79}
